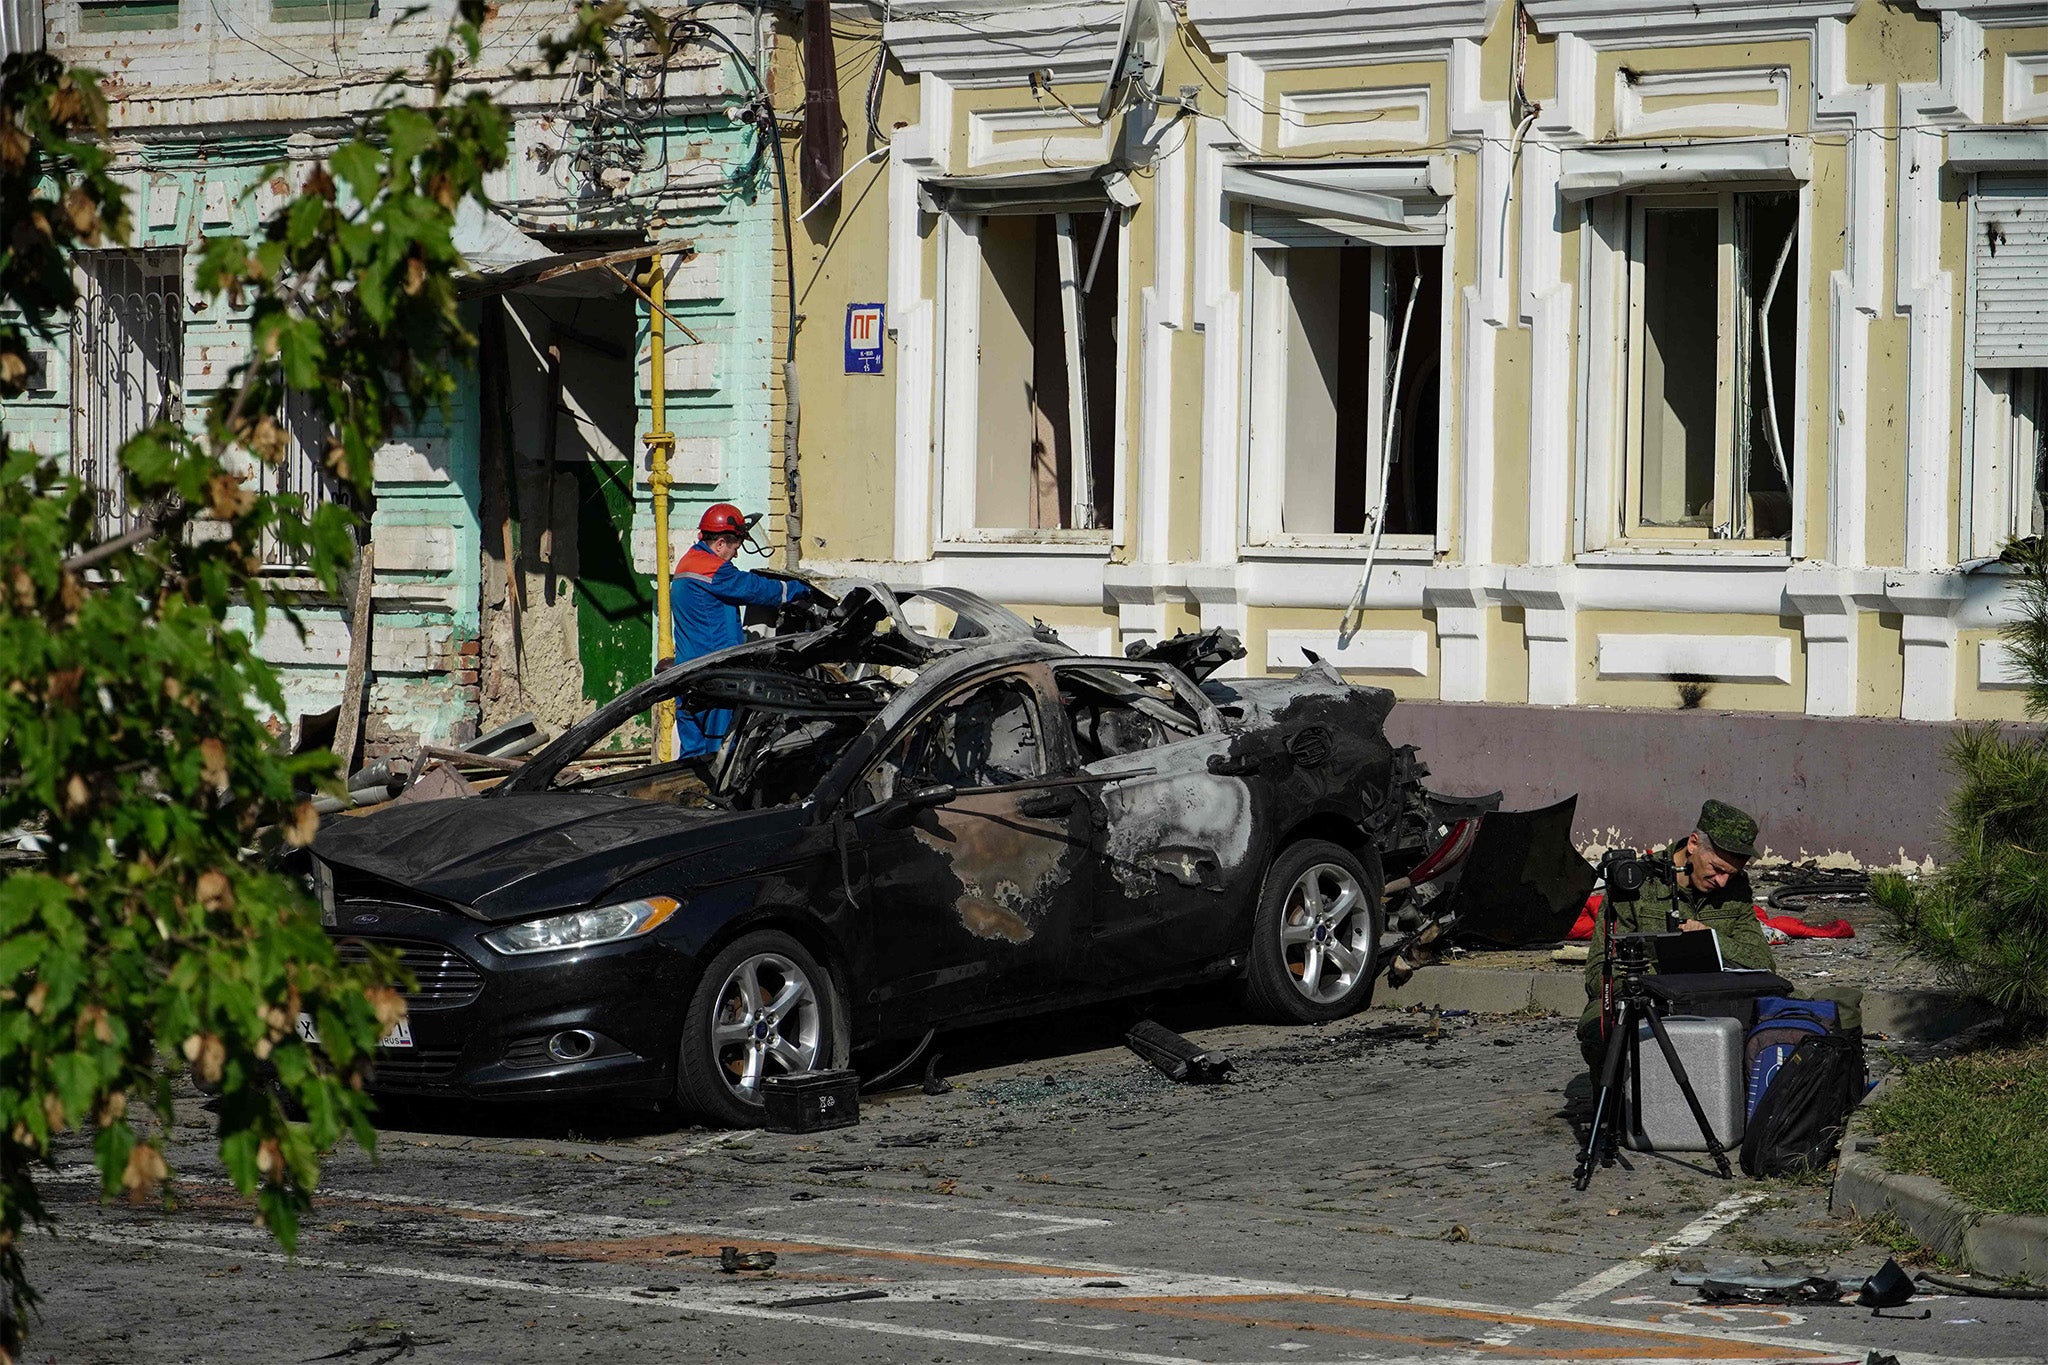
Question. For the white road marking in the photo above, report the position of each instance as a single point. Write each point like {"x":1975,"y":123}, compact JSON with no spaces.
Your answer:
{"x":1691,"y":1235}
{"x":1138,"y":1283}
{"x":1049,"y":1224}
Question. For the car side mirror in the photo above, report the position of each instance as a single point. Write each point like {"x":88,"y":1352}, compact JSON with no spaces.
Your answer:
{"x":898,"y":811}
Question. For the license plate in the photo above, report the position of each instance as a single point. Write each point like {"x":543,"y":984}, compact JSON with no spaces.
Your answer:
{"x":400,"y":1035}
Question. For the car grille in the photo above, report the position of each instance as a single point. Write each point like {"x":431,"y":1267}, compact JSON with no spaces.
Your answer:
{"x":443,"y":979}
{"x":400,"y":1067}
{"x":528,"y":1052}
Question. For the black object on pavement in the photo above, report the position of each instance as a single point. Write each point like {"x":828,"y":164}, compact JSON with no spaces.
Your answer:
{"x":812,"y":1101}
{"x":732,"y":1260}
{"x":1888,"y":1288}
{"x":1176,"y":1057}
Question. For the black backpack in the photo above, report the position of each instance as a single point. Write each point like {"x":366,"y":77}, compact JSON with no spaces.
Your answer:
{"x":1798,"y":1123}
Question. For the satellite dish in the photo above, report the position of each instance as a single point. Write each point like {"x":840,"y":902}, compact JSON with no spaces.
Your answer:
{"x":1140,"y":61}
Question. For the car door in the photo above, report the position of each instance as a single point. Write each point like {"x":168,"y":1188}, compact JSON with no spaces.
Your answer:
{"x":976,"y":903}
{"x":1177,"y":843}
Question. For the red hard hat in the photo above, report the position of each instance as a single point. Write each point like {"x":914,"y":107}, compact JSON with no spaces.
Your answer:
{"x":724,"y":519}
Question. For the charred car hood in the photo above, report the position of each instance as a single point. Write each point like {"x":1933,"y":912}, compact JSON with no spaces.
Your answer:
{"x":509,"y":856}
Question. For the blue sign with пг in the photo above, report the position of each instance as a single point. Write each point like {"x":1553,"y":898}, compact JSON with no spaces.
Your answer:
{"x":863,"y":338}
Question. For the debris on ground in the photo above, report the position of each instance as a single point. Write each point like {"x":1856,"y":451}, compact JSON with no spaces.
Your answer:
{"x":934,"y":1083}
{"x":732,"y":1260}
{"x":1983,"y":1289}
{"x":1888,"y":1288}
{"x":1176,"y":1057}
{"x":813,"y":1300}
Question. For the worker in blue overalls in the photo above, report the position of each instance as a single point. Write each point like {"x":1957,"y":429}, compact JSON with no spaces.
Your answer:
{"x":705,"y":598}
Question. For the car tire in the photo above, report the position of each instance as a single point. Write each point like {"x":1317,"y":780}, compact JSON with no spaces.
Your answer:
{"x":734,"y":1035}
{"x":1319,"y":911}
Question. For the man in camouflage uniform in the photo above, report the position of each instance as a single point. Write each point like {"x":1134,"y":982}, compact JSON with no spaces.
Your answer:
{"x":1712,"y":892}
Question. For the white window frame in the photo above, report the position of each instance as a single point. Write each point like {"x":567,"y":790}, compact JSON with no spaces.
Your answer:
{"x":1268,"y":237}
{"x":1997,"y":500}
{"x":1610,"y":386}
{"x":957,"y":394}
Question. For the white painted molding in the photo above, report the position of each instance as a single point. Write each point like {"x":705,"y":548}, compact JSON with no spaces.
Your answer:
{"x":1005,"y":40}
{"x":1722,"y":658}
{"x":1400,"y":652}
{"x":1652,"y":104}
{"x":1855,"y":292}
{"x":1308,"y":33}
{"x":2024,"y":96}
{"x":1646,"y":21}
{"x":1926,"y":292}
{"x":1610,"y":169}
{"x":1996,"y":667}
{"x":1312,"y":119}
{"x":1037,"y":136}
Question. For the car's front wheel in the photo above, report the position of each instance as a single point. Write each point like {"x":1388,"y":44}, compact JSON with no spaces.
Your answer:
{"x":765,"y":1007}
{"x":1316,"y":935}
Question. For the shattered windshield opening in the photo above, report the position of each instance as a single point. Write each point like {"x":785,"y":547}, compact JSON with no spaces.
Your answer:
{"x":1117,"y":711}
{"x":785,"y":733}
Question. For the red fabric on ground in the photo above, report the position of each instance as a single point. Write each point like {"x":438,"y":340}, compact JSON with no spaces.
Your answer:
{"x":1789,"y":925}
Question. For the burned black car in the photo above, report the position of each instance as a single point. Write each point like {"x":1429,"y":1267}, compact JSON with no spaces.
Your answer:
{"x":906,"y":828}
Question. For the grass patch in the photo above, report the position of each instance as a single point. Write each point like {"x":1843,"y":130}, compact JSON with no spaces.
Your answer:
{"x":1975,"y":1124}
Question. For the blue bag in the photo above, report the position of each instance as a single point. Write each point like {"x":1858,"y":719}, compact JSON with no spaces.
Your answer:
{"x":1781,"y":1026}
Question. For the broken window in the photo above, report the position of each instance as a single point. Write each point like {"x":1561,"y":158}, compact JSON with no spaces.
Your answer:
{"x":126,"y":16}
{"x":987,"y":737}
{"x":1046,"y":372}
{"x":320,"y":11}
{"x":1343,"y":415}
{"x":1712,"y":338}
{"x":1116,"y":711}
{"x":2008,"y":346}
{"x":129,"y":339}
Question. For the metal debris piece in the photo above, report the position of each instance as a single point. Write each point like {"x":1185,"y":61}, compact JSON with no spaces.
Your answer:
{"x":934,"y":1083}
{"x":732,"y":1260}
{"x":1175,"y":1057}
{"x":813,"y":1300}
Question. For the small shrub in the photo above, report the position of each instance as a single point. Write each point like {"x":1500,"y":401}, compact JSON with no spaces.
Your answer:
{"x":1983,"y":917}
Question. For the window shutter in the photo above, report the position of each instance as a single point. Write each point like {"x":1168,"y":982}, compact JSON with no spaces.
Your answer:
{"x":2009,"y":263}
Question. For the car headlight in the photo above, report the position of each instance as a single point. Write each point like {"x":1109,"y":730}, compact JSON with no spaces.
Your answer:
{"x":583,"y":928}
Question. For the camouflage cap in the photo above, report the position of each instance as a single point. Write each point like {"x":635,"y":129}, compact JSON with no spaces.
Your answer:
{"x":1729,"y":830}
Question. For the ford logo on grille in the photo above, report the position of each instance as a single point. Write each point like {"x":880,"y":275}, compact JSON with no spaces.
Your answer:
{"x":365,"y":919}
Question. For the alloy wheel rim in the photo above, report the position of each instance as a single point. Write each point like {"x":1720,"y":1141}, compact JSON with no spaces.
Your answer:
{"x":767,"y":1022}
{"x":1326,"y":933}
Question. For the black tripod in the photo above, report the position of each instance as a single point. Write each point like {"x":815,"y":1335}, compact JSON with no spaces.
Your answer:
{"x":1624,"y":1003}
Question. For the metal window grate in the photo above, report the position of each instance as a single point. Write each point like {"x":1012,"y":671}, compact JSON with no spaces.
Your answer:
{"x":130,"y":346}
{"x":300,"y":476}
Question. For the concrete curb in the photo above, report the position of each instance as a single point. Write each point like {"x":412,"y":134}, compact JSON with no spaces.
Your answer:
{"x":2003,"y":1245}
{"x":1919,"y":1014}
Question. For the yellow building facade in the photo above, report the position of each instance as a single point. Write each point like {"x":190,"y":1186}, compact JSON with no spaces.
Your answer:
{"x":1562,"y":354}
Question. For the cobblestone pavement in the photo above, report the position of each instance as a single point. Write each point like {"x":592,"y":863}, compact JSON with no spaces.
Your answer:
{"x":1393,"y":1187}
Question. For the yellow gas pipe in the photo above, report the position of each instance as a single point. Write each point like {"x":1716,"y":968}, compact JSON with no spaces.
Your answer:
{"x":661,"y":443}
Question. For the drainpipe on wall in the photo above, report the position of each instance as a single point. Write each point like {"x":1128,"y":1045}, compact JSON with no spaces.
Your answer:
{"x":661,"y":442}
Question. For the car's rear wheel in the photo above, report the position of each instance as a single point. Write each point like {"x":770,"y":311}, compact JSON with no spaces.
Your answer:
{"x":765,"y":1007}
{"x":1316,"y":934}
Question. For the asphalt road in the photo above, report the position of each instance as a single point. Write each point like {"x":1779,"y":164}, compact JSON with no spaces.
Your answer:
{"x":1389,"y":1188}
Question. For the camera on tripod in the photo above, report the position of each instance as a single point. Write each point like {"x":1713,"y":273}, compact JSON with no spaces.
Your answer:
{"x":1628,"y":872}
